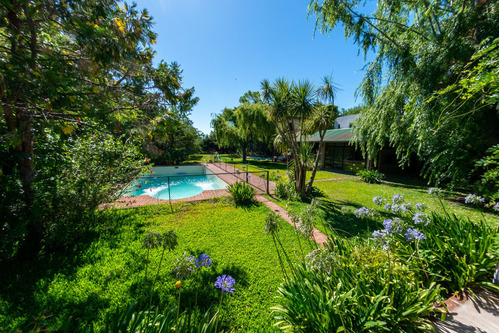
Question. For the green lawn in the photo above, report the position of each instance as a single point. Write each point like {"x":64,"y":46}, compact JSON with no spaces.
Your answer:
{"x":354,"y":193}
{"x":106,"y":271}
{"x":274,"y":168}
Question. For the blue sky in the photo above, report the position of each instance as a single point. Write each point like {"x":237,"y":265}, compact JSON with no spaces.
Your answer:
{"x":227,"y":47}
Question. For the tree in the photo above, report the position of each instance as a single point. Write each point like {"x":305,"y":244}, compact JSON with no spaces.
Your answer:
{"x":415,"y":90}
{"x":242,"y":126}
{"x":71,"y":63}
{"x":292,"y":108}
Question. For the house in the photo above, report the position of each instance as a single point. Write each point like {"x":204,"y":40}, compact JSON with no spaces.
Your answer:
{"x":336,"y":151}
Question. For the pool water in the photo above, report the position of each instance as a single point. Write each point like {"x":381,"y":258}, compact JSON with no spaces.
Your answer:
{"x":185,"y":182}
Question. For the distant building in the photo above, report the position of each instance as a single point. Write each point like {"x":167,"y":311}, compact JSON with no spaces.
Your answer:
{"x":336,"y":152}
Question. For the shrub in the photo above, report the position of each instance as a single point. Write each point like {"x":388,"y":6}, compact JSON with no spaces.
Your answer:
{"x":370,"y":176}
{"x":354,"y":287}
{"x":458,"y":253}
{"x":242,"y":193}
{"x":286,"y":191}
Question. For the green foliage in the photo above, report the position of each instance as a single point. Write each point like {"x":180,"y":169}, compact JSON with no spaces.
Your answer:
{"x":286,"y":191}
{"x":457,"y":253}
{"x":243,"y":193}
{"x":242,"y":126}
{"x":133,"y":320}
{"x":488,"y":185}
{"x":352,"y":287}
{"x":431,"y":90}
{"x":370,"y":176}
{"x":103,"y":271}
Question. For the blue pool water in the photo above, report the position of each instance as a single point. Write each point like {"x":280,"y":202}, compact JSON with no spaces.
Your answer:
{"x":185,"y":182}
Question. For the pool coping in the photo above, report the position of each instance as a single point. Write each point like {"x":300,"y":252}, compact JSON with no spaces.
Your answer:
{"x":143,"y":200}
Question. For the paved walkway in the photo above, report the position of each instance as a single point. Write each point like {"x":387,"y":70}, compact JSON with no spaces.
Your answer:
{"x":478,"y":314}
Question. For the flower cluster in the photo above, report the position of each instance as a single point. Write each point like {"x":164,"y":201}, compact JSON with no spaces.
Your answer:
{"x":421,"y":218}
{"x":225,"y":283}
{"x":185,"y":267}
{"x":203,"y":260}
{"x":420,"y":206}
{"x":152,"y":240}
{"x":397,"y":199}
{"x":495,"y":208}
{"x":364,"y":212}
{"x":435,"y":190}
{"x":414,"y":235}
{"x":474,"y":199}
{"x":378,"y":200}
{"x":321,"y":260}
{"x":393,"y":225}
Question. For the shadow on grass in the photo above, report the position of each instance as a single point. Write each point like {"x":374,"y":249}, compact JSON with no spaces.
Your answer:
{"x":347,"y":225}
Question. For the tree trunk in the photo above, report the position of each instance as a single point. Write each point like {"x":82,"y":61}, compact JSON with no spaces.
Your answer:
{"x":244,"y":150}
{"x":315,"y":168}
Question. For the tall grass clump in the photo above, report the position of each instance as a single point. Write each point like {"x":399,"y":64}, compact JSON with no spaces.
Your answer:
{"x":352,"y":286}
{"x":243,"y":193}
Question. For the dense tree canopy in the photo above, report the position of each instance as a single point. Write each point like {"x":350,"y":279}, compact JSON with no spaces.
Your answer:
{"x":243,"y":126}
{"x":76,"y":74}
{"x":432,"y":89}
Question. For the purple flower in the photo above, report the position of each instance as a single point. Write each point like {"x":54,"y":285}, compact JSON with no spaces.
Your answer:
{"x":225,"y":282}
{"x":393,"y":226}
{"x":414,"y":235}
{"x":421,"y":218}
{"x":383,"y":238}
{"x":379,"y":200}
{"x":435,"y":190}
{"x":397,"y":198}
{"x":388,"y":206}
{"x":363,"y":212}
{"x":474,"y":199}
{"x":396,"y":209}
{"x":495,"y":208}
{"x":184,"y":267}
{"x":420,"y":206}
{"x":203,"y":260}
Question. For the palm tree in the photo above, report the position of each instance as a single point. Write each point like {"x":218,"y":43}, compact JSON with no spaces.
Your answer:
{"x":322,"y":119}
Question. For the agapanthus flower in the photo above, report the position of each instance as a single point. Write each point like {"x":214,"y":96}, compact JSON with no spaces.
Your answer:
{"x":414,"y":235}
{"x":184,"y":267}
{"x":397,"y":199}
{"x":393,"y":225}
{"x":321,"y":260}
{"x":435,"y":190}
{"x":378,"y":200}
{"x":151,"y":240}
{"x":225,"y":282}
{"x":363,"y":212}
{"x":306,"y":228}
{"x":272,"y":225}
{"x":396,"y":209}
{"x":388,"y":206}
{"x":383,"y":238}
{"x":474,"y":199}
{"x":495,"y":208}
{"x":203,"y":260}
{"x":345,"y":210}
{"x":419,"y":218}
{"x":420,"y":206}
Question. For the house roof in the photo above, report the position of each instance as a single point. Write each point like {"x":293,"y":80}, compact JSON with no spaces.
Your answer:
{"x":333,"y":135}
{"x":345,"y":121}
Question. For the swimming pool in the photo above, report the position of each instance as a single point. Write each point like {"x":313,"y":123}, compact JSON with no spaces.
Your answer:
{"x":178,"y":182}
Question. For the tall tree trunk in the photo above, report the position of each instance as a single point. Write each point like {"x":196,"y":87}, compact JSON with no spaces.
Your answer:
{"x":244,"y":151}
{"x":316,"y":163}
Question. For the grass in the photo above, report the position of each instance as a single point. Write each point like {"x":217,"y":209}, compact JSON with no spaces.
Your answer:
{"x":105,"y":271}
{"x":353,"y":194}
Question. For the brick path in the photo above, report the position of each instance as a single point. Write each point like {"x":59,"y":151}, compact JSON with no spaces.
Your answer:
{"x":233,"y":176}
{"x":319,"y":237}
